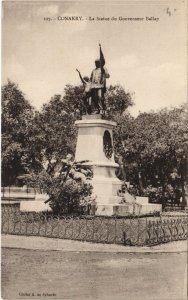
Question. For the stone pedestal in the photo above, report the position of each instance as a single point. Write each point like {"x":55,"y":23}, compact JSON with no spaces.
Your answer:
{"x":95,"y":144}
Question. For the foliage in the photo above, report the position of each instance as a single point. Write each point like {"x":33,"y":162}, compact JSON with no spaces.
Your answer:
{"x":153,"y":148}
{"x":55,"y":131}
{"x":17,"y":124}
{"x":73,"y":100}
{"x":156,"y":195}
{"x":117,"y":101}
{"x":67,"y":186}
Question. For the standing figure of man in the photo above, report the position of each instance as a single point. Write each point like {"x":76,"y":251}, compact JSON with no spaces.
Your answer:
{"x":98,"y":83}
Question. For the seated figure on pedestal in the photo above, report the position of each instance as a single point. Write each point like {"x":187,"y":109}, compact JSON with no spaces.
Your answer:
{"x":98,"y":84}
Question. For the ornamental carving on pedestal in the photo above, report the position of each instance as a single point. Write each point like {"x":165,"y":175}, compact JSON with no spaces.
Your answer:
{"x":107,"y":144}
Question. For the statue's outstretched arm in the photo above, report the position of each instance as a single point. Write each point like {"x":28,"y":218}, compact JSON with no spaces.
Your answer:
{"x":80,"y":76}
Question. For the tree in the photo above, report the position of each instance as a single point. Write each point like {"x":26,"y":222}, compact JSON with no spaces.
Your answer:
{"x":117,"y":101}
{"x":154,"y":147}
{"x":73,"y":100}
{"x":17,"y":122}
{"x":55,"y":131}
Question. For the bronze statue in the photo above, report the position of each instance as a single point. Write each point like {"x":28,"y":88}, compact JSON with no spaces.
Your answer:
{"x":95,"y":87}
{"x":98,"y":84}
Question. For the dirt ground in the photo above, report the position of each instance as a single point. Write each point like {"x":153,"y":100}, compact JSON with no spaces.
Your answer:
{"x":38,"y":274}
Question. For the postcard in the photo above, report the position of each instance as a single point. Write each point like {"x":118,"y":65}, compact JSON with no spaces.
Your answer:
{"x":94,"y":145}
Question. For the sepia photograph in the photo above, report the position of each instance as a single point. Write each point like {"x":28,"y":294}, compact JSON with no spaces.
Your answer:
{"x":94,"y":145}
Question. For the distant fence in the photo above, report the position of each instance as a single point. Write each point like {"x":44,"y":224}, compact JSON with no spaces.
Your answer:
{"x":99,"y":229}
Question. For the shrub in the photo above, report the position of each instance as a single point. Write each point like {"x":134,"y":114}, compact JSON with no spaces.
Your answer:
{"x":67,"y":186}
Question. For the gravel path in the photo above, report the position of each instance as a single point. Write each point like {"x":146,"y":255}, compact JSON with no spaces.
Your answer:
{"x":39,"y":274}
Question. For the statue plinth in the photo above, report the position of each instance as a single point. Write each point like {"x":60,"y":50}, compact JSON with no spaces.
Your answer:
{"x":95,"y":144}
{"x":90,"y":145}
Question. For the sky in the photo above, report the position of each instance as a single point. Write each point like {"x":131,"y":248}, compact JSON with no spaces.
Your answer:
{"x":148,"y":57}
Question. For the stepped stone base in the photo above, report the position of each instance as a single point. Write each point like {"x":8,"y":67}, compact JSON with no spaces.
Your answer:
{"x":138,"y":208}
{"x":127,"y":209}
